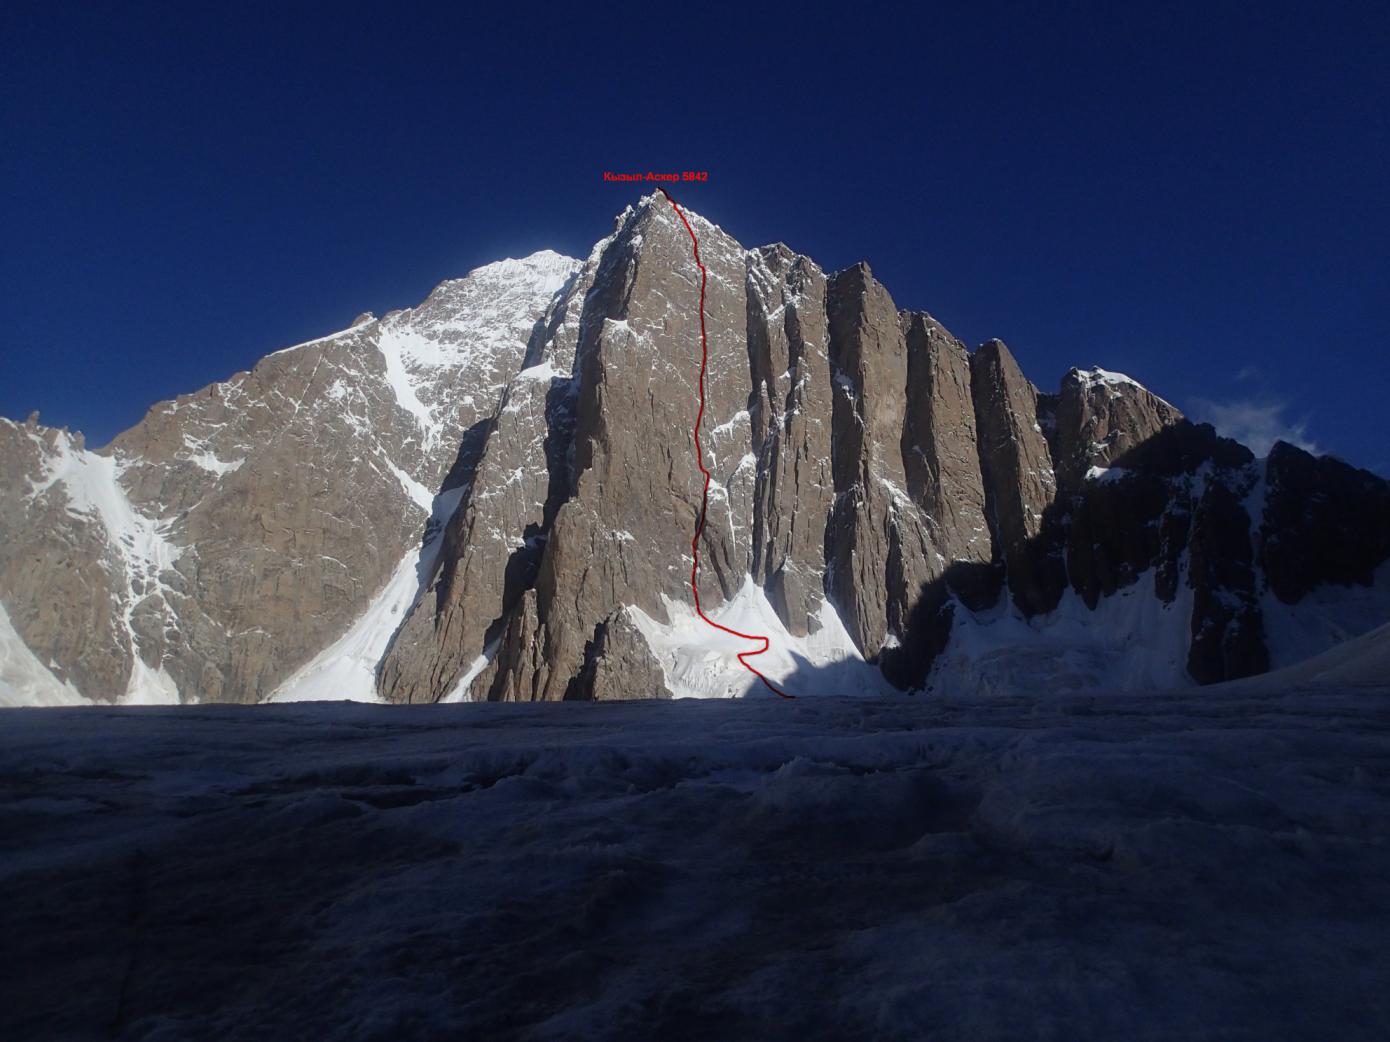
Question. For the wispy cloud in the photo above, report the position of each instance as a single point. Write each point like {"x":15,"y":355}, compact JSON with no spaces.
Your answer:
{"x":1256,"y":423}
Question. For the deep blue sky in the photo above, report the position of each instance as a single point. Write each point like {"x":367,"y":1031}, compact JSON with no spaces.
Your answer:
{"x":1196,"y":196}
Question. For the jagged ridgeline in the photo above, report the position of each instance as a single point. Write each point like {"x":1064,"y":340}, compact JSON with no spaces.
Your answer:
{"x":491,"y":496}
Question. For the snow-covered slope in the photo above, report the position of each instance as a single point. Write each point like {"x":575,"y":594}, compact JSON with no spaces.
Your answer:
{"x":699,"y":661}
{"x":1325,"y":619}
{"x":1201,"y":864}
{"x":1131,"y":641}
{"x":24,"y":680}
{"x":1357,"y":662}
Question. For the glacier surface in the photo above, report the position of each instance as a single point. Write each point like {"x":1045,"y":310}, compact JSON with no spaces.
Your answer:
{"x":1200,"y":864}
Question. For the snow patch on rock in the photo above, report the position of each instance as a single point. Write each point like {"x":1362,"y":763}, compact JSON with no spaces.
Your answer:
{"x":140,"y":544}
{"x":699,"y":661}
{"x":1325,"y":618}
{"x":1131,"y":641}
{"x":24,"y":680}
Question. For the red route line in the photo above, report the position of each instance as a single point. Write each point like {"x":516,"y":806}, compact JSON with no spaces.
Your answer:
{"x":700,"y":462}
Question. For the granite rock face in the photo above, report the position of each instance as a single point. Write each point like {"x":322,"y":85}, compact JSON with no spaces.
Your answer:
{"x":493,"y":496}
{"x":621,"y":537}
{"x":791,"y":431}
{"x":1324,"y":522}
{"x":619,"y":665}
{"x":1099,"y":416}
{"x":879,"y":546}
{"x":1019,"y":480}
{"x":941,"y":449}
{"x":510,"y":479}
{"x":1227,"y":624}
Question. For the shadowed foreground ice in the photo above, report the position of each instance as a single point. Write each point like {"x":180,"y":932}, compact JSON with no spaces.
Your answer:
{"x":1210,"y":864}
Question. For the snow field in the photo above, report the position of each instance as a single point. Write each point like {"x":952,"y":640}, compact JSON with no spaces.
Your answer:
{"x":701,"y":662}
{"x":1193,"y":865}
